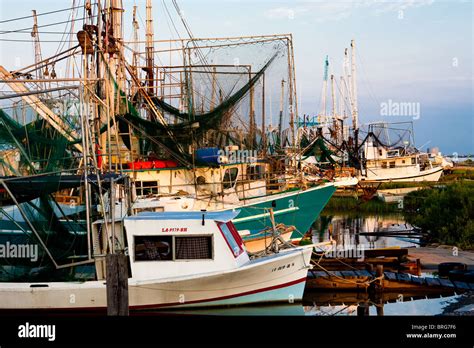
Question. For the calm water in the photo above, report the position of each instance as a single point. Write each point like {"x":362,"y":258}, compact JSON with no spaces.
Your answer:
{"x":429,"y":307}
{"x":345,"y":231}
{"x":351,"y":231}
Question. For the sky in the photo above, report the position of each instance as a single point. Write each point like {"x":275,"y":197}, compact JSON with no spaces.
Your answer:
{"x":409,"y":51}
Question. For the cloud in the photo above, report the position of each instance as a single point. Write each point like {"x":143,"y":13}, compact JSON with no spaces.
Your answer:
{"x":322,"y":11}
{"x":285,"y":12}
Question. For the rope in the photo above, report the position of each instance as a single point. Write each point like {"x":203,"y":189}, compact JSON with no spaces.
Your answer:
{"x":28,"y":30}
{"x":39,"y":14}
{"x":366,"y":283}
{"x":344,"y":280}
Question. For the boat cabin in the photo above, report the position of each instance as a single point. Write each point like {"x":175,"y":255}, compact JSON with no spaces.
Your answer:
{"x":177,"y":244}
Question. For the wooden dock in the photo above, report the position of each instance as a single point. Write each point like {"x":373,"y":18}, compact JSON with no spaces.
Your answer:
{"x":394,"y":259}
{"x":350,"y":298}
{"x":430,"y":258}
{"x":392,"y":281}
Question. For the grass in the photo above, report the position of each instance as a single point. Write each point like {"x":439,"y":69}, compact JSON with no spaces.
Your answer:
{"x":353,"y":205}
{"x":395,"y":185}
{"x":445,"y":213}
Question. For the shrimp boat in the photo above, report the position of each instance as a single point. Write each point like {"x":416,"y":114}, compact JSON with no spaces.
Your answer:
{"x":364,"y":154}
{"x":398,"y":162}
{"x":189,"y":134}
{"x":177,"y":260}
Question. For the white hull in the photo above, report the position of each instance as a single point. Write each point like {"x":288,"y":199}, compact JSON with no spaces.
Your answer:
{"x":391,"y":175}
{"x":345,"y":181}
{"x":395,"y":195}
{"x":280,"y":277}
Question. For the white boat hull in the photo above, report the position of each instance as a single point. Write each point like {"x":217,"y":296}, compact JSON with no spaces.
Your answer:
{"x":279,"y":278}
{"x":388,"y":175}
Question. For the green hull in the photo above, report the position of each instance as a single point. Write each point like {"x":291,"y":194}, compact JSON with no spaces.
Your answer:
{"x":293,"y":208}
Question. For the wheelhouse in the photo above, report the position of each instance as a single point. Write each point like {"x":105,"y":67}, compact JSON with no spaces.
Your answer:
{"x":171,"y":244}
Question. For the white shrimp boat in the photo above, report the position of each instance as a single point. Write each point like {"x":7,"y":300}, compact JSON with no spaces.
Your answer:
{"x":397,"y":165}
{"x":177,"y":260}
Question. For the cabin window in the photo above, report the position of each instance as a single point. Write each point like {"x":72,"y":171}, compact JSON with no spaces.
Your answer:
{"x":232,"y":237}
{"x":153,"y":248}
{"x":193,"y":248}
{"x":413,"y":160}
{"x":255,"y":172}
{"x":145,"y":188}
{"x":393,"y":153}
{"x":380,"y":152}
{"x":392,"y":164}
{"x":384,"y":164}
{"x":403,"y":161}
{"x":230,"y":178}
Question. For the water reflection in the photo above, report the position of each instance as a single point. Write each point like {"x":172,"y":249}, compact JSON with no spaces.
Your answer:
{"x":353,"y":304}
{"x":368,"y":232}
{"x":378,"y":304}
{"x":289,"y":309}
{"x":410,"y":306}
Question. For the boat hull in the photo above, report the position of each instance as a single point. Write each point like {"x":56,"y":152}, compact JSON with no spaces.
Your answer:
{"x":432,"y":174}
{"x":277,"y":278}
{"x":299,"y":208}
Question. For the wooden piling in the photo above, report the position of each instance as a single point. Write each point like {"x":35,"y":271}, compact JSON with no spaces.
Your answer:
{"x":363,"y":309}
{"x":117,"y":285}
{"x":379,"y":308}
{"x":379,"y":274}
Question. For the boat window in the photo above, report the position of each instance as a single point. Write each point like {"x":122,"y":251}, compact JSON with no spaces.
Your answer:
{"x":255,"y":172}
{"x":153,"y":248}
{"x":380,"y":152}
{"x":393,"y":153}
{"x":232,"y":237}
{"x":192,"y":248}
{"x":145,"y":188}
{"x":230,"y":177}
{"x":392,"y":164}
{"x":384,"y":164}
{"x":413,"y":160}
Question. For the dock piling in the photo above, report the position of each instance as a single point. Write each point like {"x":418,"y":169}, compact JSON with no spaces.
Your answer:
{"x":117,"y":285}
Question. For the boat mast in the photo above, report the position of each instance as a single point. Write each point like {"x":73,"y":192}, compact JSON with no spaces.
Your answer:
{"x":264,"y":135}
{"x":342,"y":107}
{"x":251,"y":142}
{"x":325,"y":87}
{"x":355,"y":111}
{"x":149,"y":48}
{"x":333,"y":110}
{"x":280,"y":130}
{"x":116,"y":12}
{"x":37,"y":48}
{"x":135,"y":49}
{"x":292,"y":90}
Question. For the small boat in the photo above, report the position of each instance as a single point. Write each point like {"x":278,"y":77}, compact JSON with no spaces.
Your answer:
{"x":177,"y":260}
{"x":263,"y":240}
{"x":395,"y":195}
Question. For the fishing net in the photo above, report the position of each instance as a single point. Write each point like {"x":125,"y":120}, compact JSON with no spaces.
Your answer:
{"x":36,"y":148}
{"x":391,"y":135}
{"x":225,"y":94}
